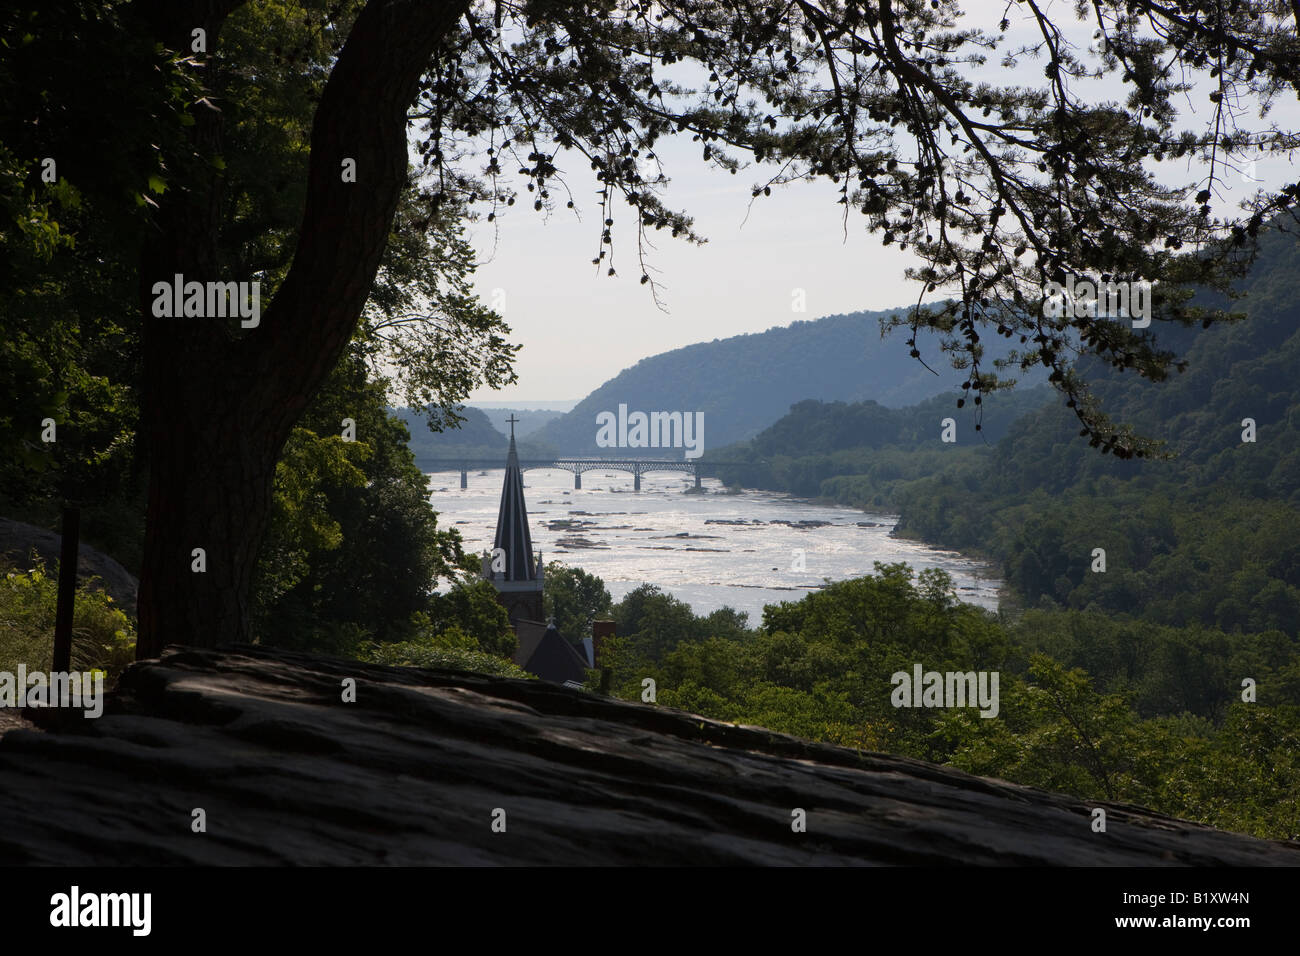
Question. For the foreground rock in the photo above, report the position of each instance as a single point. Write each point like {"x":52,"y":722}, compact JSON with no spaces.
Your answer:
{"x":412,"y":773}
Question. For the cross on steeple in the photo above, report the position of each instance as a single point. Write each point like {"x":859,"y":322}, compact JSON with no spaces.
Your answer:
{"x":512,"y":421}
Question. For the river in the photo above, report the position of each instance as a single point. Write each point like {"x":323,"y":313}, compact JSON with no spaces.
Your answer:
{"x":710,"y":550}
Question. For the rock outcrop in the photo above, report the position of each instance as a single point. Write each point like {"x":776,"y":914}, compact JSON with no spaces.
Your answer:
{"x":22,"y":543}
{"x":417,"y":769}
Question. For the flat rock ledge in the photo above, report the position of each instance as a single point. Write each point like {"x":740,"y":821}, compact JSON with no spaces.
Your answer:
{"x":413,"y":771}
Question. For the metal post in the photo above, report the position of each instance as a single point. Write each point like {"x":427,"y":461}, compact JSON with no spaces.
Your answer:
{"x":67,"y":590}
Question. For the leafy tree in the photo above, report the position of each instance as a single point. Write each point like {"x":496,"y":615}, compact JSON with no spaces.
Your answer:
{"x":655,"y":621}
{"x":353,"y":542}
{"x":1150,"y":721}
{"x":878,"y":98}
{"x":575,"y":599}
{"x":1246,"y":778}
{"x":470,"y":607}
{"x":71,"y":212}
{"x":249,"y":163}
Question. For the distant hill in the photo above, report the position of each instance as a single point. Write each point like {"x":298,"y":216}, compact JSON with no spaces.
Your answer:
{"x":475,"y":438}
{"x":821,"y":428}
{"x":818,"y":440}
{"x":1235,"y":372}
{"x":744,"y":383}
{"x":529,"y":419}
{"x":532,"y":404}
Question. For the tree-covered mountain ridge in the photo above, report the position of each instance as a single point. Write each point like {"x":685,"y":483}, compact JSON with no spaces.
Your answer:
{"x":744,"y":383}
{"x":475,"y":437}
{"x":1204,"y":537}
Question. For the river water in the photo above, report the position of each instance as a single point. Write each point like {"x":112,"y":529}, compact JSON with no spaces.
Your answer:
{"x":710,"y":550}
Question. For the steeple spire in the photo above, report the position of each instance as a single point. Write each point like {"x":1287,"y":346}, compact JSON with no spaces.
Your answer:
{"x":512,"y":522}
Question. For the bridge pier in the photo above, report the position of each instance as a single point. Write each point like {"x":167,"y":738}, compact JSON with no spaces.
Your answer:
{"x":697,"y":481}
{"x":577,"y":481}
{"x":636,"y":481}
{"x":464,"y":479}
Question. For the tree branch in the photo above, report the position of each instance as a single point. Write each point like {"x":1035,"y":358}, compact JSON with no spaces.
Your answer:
{"x":362,"y":116}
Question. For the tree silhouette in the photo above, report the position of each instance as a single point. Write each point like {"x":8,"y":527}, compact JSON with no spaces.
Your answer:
{"x":998,"y":189}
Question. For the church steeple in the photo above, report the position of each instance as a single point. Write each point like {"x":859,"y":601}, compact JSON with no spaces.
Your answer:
{"x":512,"y":520}
{"x":512,"y":567}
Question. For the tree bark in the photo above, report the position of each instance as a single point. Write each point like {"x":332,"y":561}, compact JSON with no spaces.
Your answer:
{"x":219,"y":401}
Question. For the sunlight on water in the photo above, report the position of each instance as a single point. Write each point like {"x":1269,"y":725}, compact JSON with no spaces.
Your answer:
{"x":710,"y":550}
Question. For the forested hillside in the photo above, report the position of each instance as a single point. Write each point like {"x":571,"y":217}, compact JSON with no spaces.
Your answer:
{"x":1205,"y":538}
{"x":475,"y":437}
{"x":817,"y":440}
{"x":527,"y":420}
{"x":744,"y":383}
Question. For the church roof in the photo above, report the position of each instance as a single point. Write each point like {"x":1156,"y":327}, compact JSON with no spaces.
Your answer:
{"x":528,"y":635}
{"x":551,"y":657}
{"x":512,"y":524}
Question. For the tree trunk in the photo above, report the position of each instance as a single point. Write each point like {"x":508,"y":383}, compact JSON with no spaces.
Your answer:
{"x":209,"y":488}
{"x":220,"y":401}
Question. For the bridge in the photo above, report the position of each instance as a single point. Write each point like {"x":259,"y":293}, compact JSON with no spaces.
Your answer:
{"x":637,"y":466}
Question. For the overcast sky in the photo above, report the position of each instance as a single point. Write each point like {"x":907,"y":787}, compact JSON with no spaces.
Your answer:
{"x":579,"y":328}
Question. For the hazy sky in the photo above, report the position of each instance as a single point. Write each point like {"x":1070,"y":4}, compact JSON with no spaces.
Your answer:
{"x":579,"y":328}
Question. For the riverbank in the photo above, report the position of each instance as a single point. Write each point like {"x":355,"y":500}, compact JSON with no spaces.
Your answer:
{"x":742,"y":549}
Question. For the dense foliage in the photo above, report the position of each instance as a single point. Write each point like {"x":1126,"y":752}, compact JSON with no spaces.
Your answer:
{"x":103,"y":636}
{"x":1205,"y":537}
{"x":574,"y":598}
{"x":446,"y":652}
{"x":1088,"y":705}
{"x":817,"y":441}
{"x":351,"y":549}
{"x":354,"y":548}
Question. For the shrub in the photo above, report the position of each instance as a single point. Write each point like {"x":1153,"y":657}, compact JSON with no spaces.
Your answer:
{"x":103,"y":637}
{"x":446,"y":651}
